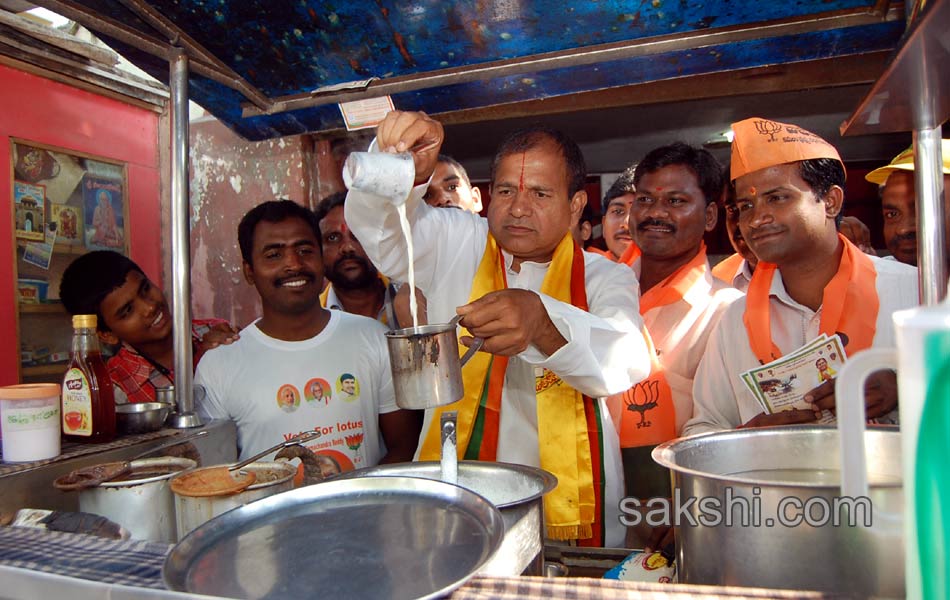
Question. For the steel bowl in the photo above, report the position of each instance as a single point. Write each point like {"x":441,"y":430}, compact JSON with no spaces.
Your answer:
{"x":141,"y":417}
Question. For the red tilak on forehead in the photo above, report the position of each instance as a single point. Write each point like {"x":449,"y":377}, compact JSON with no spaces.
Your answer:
{"x":752,"y":190}
{"x":521,"y":183}
{"x":659,"y":189}
{"x":344,"y":228}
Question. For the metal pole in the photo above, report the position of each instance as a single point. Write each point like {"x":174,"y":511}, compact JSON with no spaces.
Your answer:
{"x":181,"y":251}
{"x":931,"y":233}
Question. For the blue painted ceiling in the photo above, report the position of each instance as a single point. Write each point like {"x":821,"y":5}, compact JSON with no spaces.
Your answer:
{"x":288,"y":47}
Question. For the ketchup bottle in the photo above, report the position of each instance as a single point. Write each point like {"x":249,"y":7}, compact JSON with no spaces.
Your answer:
{"x":88,"y":399}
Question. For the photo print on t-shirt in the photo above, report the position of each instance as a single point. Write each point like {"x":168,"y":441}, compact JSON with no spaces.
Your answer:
{"x":317,"y":390}
{"x":288,"y":398}
{"x":348,"y":387}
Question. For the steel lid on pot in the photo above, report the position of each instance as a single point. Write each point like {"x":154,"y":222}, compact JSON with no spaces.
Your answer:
{"x":371,"y":537}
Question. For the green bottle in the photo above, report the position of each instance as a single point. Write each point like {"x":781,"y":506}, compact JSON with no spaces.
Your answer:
{"x":932,"y":478}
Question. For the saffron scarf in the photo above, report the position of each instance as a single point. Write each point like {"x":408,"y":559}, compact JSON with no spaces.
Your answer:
{"x":849,"y":305}
{"x":569,"y":434}
{"x":727,"y":269}
{"x":630,"y":255}
{"x":648,"y":415}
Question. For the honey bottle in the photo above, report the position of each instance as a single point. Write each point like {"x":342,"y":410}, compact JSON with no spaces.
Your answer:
{"x":88,"y":399}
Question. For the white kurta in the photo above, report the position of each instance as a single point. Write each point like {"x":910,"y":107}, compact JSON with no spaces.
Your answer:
{"x":680,"y":332}
{"x":721,"y":400}
{"x":605,"y":353}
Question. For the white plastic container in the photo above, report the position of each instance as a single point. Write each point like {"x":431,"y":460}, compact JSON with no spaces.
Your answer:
{"x":30,"y":421}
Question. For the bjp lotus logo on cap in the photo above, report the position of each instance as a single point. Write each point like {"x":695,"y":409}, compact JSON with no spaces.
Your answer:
{"x":769,"y":128}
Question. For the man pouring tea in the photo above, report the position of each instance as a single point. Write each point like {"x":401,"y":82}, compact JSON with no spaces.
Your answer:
{"x":561,"y":327}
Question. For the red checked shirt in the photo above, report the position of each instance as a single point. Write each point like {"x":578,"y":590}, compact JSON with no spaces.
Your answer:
{"x":136,"y":378}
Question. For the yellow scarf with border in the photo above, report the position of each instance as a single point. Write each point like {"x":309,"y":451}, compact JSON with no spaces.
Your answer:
{"x":563,"y":440}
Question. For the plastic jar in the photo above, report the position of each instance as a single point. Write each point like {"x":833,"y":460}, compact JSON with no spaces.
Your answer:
{"x":30,"y":422}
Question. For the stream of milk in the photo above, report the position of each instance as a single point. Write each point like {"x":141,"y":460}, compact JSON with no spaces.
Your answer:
{"x":413,"y":305}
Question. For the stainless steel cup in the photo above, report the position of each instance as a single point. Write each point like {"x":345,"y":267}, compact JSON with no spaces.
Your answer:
{"x":426,"y":368}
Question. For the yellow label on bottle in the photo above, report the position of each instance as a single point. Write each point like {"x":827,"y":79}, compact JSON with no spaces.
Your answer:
{"x":77,"y":404}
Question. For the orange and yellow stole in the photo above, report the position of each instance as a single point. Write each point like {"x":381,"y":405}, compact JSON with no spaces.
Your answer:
{"x":569,"y":431}
{"x":849,"y":305}
{"x":648,"y":415}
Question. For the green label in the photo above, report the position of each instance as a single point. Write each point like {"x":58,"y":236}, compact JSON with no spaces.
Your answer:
{"x":23,"y":419}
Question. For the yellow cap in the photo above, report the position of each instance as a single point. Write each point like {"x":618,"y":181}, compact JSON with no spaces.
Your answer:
{"x":84,"y":321}
{"x":905,"y":162}
{"x":30,"y":391}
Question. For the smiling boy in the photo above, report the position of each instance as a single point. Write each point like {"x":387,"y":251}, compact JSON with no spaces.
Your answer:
{"x":132,"y":311}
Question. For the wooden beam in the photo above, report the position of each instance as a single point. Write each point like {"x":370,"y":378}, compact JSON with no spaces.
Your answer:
{"x":59,"y":39}
{"x":83,"y":76}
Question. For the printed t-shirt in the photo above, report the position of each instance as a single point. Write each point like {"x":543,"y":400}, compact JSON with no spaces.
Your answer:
{"x":338,"y":381}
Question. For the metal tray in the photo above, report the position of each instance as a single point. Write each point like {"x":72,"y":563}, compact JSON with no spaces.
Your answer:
{"x":375,"y":537}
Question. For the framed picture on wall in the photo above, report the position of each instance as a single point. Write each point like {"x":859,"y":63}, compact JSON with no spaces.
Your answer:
{"x":86,"y":197}
{"x":29,"y":209}
{"x":103,"y":219}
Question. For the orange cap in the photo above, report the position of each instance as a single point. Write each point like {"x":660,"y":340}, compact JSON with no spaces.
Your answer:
{"x":759,"y":143}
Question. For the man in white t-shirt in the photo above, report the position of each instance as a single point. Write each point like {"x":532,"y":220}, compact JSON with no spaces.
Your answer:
{"x":300,"y":366}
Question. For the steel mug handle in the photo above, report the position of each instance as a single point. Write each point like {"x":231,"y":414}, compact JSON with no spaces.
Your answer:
{"x":476,"y":343}
{"x":475,"y":347}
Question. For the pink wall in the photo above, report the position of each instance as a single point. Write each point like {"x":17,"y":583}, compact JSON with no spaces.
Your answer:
{"x":44,"y":111}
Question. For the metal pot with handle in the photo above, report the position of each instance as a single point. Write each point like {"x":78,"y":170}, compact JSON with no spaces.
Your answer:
{"x":139,"y":500}
{"x":270,"y":478}
{"x":760,"y":505}
{"x":196,"y":501}
{"x":426,"y":368}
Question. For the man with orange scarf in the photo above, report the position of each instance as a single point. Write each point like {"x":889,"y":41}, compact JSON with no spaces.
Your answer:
{"x":677,"y":188}
{"x":561,"y":326}
{"x":810,"y":280}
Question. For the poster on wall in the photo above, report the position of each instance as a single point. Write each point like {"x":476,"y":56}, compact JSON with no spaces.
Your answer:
{"x":29,"y":201}
{"x":69,"y":223}
{"x":84,"y":196}
{"x":40,"y":254}
{"x":102,"y":213}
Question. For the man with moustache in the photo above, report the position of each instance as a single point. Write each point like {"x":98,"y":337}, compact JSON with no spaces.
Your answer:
{"x":810,"y":280}
{"x":355,"y":285}
{"x":295,"y":342}
{"x":675,"y":204}
{"x":560,"y":325}
{"x":899,"y":203}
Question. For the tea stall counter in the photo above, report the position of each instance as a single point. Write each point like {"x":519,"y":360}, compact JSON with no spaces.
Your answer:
{"x":30,"y":485}
{"x":40,"y":564}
